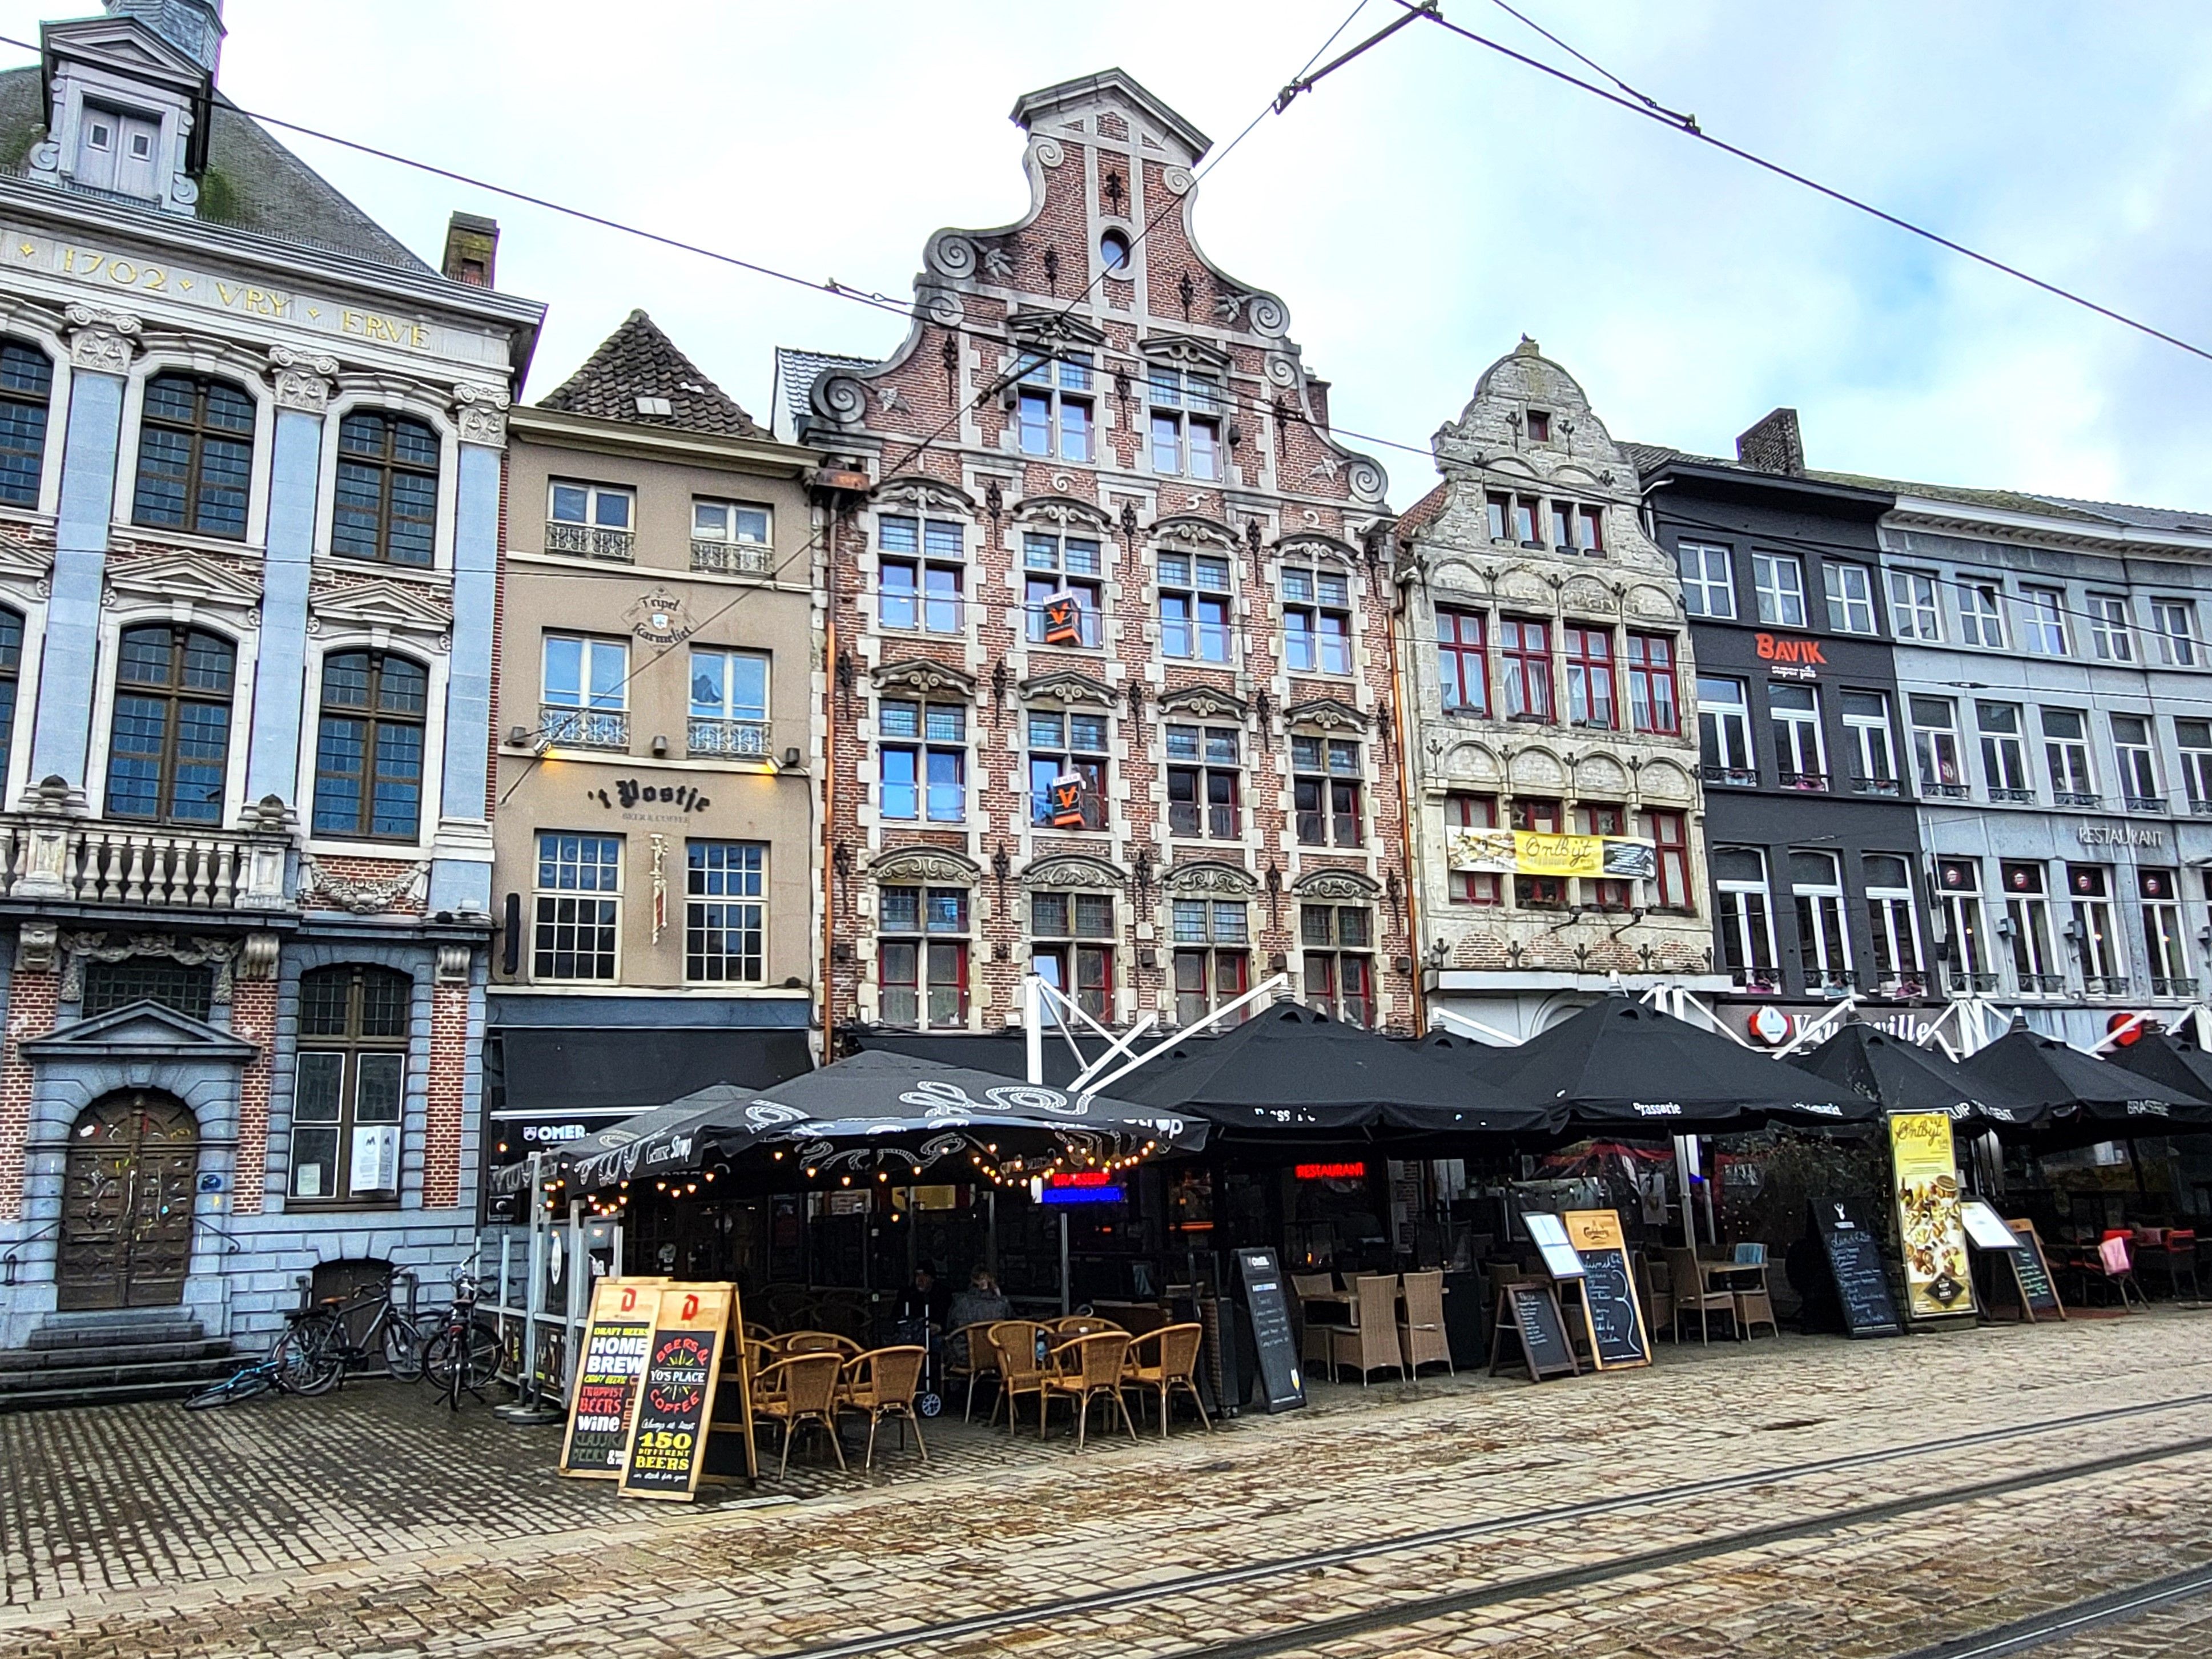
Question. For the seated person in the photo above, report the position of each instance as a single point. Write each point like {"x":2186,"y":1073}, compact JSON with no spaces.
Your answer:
{"x":981,"y":1303}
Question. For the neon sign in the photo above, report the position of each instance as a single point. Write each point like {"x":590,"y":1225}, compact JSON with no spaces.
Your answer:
{"x":1357,"y":1171}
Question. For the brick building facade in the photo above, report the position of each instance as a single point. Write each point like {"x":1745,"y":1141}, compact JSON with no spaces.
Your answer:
{"x":1099,"y":530}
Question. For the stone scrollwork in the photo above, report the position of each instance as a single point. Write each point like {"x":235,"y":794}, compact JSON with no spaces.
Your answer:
{"x":256,"y":957}
{"x":364,"y":895}
{"x":1177,"y":179}
{"x":1337,"y":884}
{"x":1326,"y":714}
{"x":925,"y":864}
{"x":300,"y":380}
{"x":1204,"y":702}
{"x":921,"y":674}
{"x":1226,"y":880}
{"x":1068,"y":689}
{"x":840,"y":398}
{"x":952,"y":253}
{"x":481,"y":413}
{"x":102,"y":341}
{"x":191,"y":953}
{"x":36,"y":943}
{"x":1050,"y":154}
{"x":1368,"y":481}
{"x":1068,"y":873}
{"x":453,"y":962}
{"x":942,"y":306}
{"x":1268,"y":314}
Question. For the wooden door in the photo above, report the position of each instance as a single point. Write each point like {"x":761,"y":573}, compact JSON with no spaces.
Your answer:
{"x":126,"y":1237}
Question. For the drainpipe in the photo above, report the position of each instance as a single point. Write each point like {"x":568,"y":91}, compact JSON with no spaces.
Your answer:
{"x":1406,"y":747}
{"x":829,"y":777}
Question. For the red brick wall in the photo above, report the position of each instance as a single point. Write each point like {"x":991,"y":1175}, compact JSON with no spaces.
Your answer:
{"x":31,"y":1002}
{"x":253,"y":1019}
{"x":441,"y":1122}
{"x":369,"y":870}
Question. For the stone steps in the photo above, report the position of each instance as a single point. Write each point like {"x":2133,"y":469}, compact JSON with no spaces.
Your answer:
{"x":78,"y":1359}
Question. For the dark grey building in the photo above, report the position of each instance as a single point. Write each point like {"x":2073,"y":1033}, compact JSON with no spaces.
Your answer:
{"x":1811,"y":835}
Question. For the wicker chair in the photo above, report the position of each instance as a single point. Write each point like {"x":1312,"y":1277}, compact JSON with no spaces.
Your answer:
{"x":1016,"y":1342}
{"x":1421,"y":1325}
{"x":1081,"y":1325}
{"x":1084,"y":1368}
{"x":1370,"y":1343}
{"x":1693,"y":1294}
{"x":1316,"y":1290}
{"x":793,"y":1342}
{"x":799,"y":1390}
{"x":881,"y":1384}
{"x":969,"y":1358}
{"x":1165,"y":1360}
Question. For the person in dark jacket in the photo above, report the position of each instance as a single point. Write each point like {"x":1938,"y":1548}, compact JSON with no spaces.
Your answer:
{"x":923,"y":1300}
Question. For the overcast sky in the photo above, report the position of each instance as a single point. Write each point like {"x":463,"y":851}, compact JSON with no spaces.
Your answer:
{"x":1418,"y":213}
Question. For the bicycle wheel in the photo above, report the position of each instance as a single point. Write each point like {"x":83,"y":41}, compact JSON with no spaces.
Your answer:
{"x":402,"y":1349}
{"x":244,"y":1385}
{"x":317,"y":1363}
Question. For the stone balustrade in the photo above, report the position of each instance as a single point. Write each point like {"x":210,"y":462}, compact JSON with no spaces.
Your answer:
{"x":59,"y":860}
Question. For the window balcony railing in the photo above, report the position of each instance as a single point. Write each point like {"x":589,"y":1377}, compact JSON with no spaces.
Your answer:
{"x":2075,"y":798}
{"x":2185,"y":987}
{"x":1735,"y":777}
{"x":1759,"y":982}
{"x":2146,"y":803}
{"x":1810,"y":782}
{"x":591,"y":540}
{"x":1973,"y":984}
{"x":1944,"y":791}
{"x":1092,"y":808}
{"x":719,"y":737}
{"x":1090,"y":628}
{"x":1192,"y":821}
{"x":1902,"y":987}
{"x":732,"y":558}
{"x":2024,"y":797}
{"x":911,"y":611}
{"x":2105,"y":985}
{"x":51,"y":860}
{"x":1830,"y":981}
{"x":2202,"y":809}
{"x":2043,"y":985}
{"x":585,"y":728}
{"x":1888,"y":786}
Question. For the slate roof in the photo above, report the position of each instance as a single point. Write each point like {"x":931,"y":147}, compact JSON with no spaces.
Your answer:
{"x":252,"y":182}
{"x":638,"y":361}
{"x":796,"y":373}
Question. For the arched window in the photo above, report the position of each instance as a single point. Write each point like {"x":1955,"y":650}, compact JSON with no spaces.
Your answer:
{"x":195,"y":456}
{"x":11,"y":667}
{"x":350,"y":1085}
{"x":387,"y":494}
{"x":369,"y":749}
{"x":171,"y":732}
{"x":27,"y":384}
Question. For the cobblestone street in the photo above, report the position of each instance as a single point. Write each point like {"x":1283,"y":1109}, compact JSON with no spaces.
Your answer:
{"x":1765,"y":1484}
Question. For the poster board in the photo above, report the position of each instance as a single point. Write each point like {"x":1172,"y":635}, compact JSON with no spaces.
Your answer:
{"x":1615,"y":1316}
{"x":695,"y":1328}
{"x":1529,"y":1316}
{"x":615,"y":1338}
{"x":2038,"y":1292}
{"x":1938,"y":1282}
{"x":1854,"y":1258}
{"x":1549,"y":1234}
{"x":1282,"y":1387}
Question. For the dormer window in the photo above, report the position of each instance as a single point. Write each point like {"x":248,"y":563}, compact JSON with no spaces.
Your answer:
{"x":116,"y":152}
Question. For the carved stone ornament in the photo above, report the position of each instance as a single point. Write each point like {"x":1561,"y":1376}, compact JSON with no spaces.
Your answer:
{"x":193,"y":952}
{"x":1326,"y":712}
{"x":924,"y":495}
{"x":925,"y":864}
{"x":1070,"y":873}
{"x":1209,"y":876}
{"x":1049,"y":153}
{"x":366,"y":896}
{"x":952,"y":253}
{"x":1048,"y":329}
{"x":1205,"y":702}
{"x":256,"y":957}
{"x":199,"y":577}
{"x":1068,"y":512}
{"x":480,"y":412}
{"x":1068,"y":689}
{"x":102,"y":341}
{"x":453,"y":963}
{"x":301,"y":380}
{"x":1304,"y":544}
{"x":922,"y":674}
{"x":380,"y":602}
{"x":1187,"y":529}
{"x":36,"y":943}
{"x":840,"y":398}
{"x":1184,"y":349}
{"x":1337,"y":884}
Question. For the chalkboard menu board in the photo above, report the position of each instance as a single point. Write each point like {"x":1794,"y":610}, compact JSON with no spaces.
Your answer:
{"x":1528,"y":1316}
{"x":1609,"y":1302}
{"x":2031,"y":1273}
{"x":615,"y":1346}
{"x":1855,"y":1259}
{"x":667,"y":1449}
{"x":1282,"y":1388}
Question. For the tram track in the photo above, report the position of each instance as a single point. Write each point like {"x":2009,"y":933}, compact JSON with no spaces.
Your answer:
{"x":1414,"y":1610}
{"x":2077,"y":1618}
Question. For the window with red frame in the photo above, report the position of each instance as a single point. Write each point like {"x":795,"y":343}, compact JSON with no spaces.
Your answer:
{"x":1472,"y":812}
{"x":1652,"y":703}
{"x":1538,"y":892}
{"x":1524,"y":667}
{"x":1671,"y":887}
{"x":922,"y":955}
{"x":1589,"y":652}
{"x":1339,"y":976}
{"x":1607,"y":893}
{"x":1463,"y":660}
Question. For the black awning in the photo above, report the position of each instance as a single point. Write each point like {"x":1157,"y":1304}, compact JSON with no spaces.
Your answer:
{"x":563,"y":1069}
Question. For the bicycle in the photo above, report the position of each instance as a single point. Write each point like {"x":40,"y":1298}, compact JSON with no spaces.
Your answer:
{"x":463,"y":1353}
{"x":301,"y":1360}
{"x":394,"y":1334}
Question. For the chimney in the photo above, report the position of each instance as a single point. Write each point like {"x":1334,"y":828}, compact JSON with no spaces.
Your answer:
{"x":1774,"y":445}
{"x":472,"y":249}
{"x":193,"y":27}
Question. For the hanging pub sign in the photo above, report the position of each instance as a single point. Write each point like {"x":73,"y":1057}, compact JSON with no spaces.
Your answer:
{"x":1063,"y":619}
{"x":1938,"y":1283}
{"x":616,"y":1340}
{"x":1528,"y":853}
{"x":1610,"y":1304}
{"x":1068,"y":793}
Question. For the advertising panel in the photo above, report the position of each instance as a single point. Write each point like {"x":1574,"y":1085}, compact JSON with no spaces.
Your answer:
{"x":1938,"y":1282}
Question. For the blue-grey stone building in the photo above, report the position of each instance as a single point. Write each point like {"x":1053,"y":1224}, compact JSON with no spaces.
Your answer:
{"x":251,"y":460}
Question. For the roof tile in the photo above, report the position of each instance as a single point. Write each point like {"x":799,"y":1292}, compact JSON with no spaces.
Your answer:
{"x":638,"y":362}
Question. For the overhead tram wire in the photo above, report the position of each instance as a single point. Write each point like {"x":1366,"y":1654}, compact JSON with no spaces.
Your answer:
{"x":1638,"y":103}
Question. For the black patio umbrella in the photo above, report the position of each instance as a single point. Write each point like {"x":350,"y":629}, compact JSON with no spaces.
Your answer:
{"x":1292,"y":1069}
{"x":879,"y":1110}
{"x":2081,"y":1091}
{"x":1619,"y":1063}
{"x":1900,"y":1077}
{"x":2165,"y":1057}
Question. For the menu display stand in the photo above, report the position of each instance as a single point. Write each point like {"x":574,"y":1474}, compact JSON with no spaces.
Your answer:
{"x":679,"y":1415}
{"x":1855,"y":1263}
{"x":1611,"y":1307}
{"x":1282,"y":1386}
{"x":616,"y":1338}
{"x":1529,"y":1316}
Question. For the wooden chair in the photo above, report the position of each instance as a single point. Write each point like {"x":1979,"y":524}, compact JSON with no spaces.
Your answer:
{"x":1016,"y":1342}
{"x":1748,"y":1284}
{"x":795,"y":1391}
{"x":1082,"y":1368}
{"x":1317,"y":1292}
{"x":1693,"y":1295}
{"x":969,"y":1358}
{"x":1657,"y":1288}
{"x":1164,"y":1360}
{"x":881,"y":1384}
{"x":1370,"y":1341}
{"x":1421,"y":1323}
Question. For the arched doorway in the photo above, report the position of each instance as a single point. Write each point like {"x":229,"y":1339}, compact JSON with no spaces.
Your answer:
{"x":126,"y":1238}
